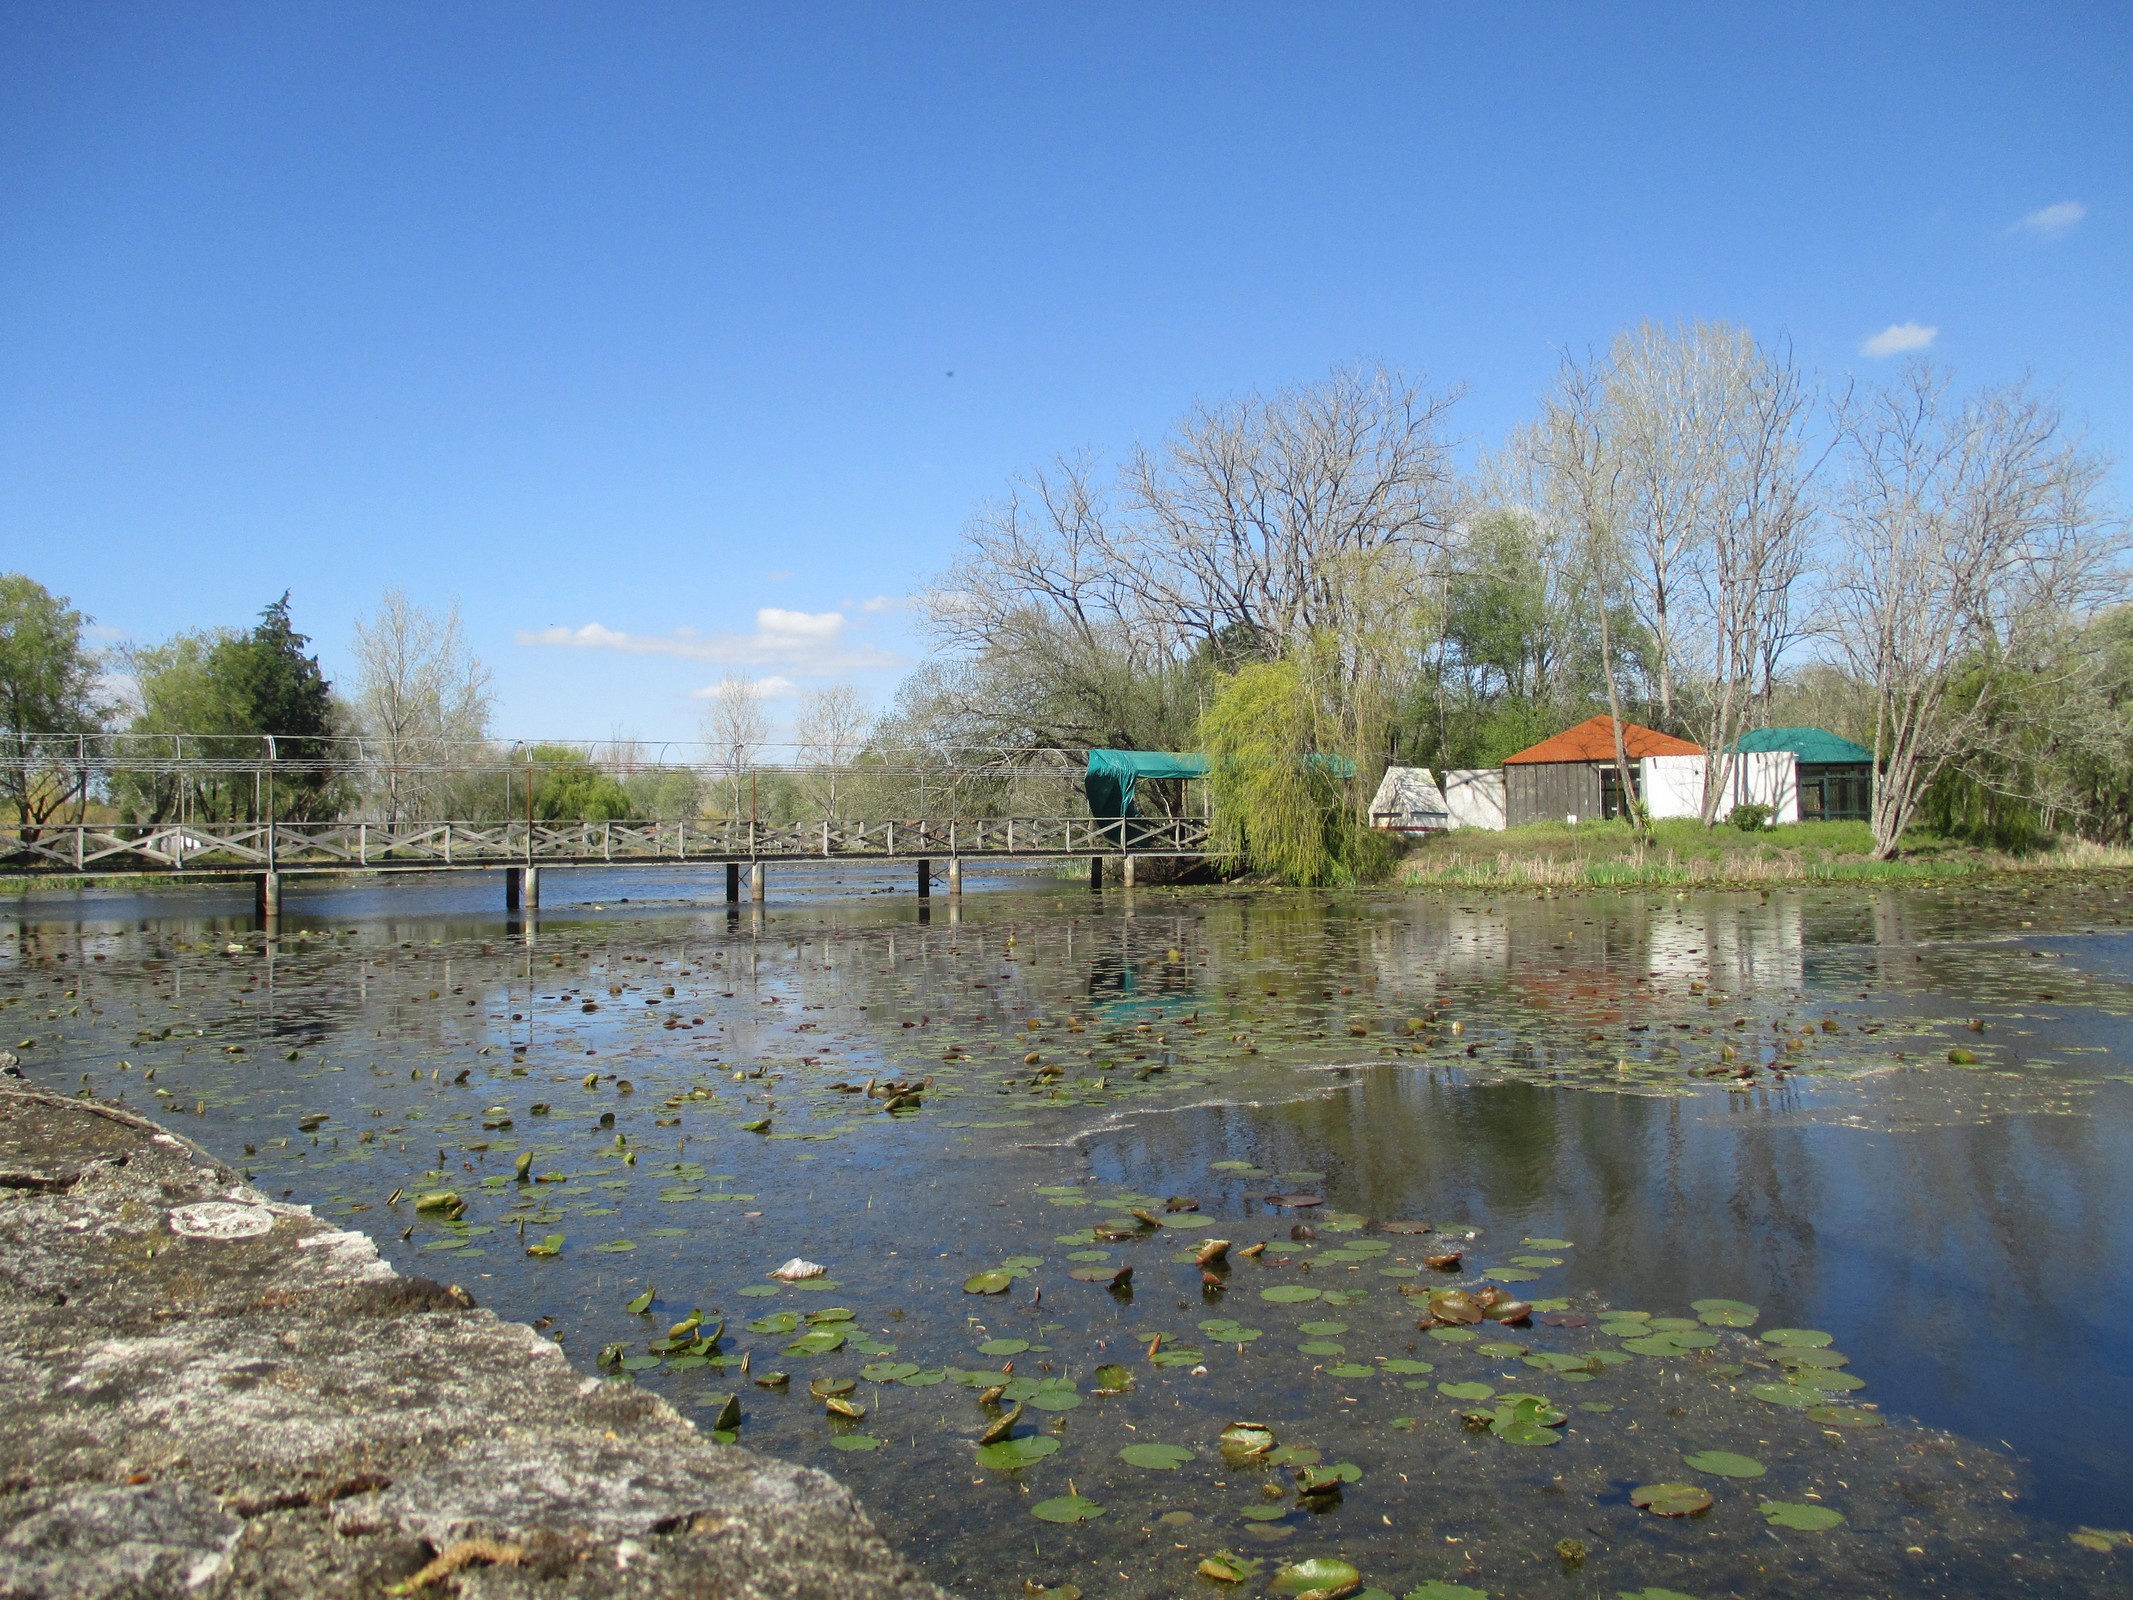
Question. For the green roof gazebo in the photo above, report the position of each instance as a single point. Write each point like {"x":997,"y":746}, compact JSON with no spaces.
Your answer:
{"x":1835,"y":777}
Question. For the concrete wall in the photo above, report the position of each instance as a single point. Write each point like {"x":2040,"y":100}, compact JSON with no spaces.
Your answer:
{"x":1474,"y":797}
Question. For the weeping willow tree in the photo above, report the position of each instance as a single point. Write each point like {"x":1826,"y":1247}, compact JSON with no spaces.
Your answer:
{"x":1280,"y":805}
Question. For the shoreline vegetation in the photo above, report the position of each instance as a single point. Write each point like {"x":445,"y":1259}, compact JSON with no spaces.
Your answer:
{"x":1685,"y":854}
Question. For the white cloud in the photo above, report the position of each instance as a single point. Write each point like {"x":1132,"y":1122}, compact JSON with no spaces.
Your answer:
{"x":2048,"y":222}
{"x":770,"y":688}
{"x":1898,"y":337}
{"x":881,"y":603}
{"x":812,"y":643}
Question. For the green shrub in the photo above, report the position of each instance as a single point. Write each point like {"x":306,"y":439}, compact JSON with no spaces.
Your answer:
{"x":1749,"y":817}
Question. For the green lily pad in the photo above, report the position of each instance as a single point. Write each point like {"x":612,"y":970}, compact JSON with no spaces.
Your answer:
{"x":887,"y":1371}
{"x":1725,"y":1464}
{"x":1003,"y":1347}
{"x":820,"y":1343}
{"x":1465,"y":1391}
{"x":1670,"y":1499}
{"x":1283,"y":1294}
{"x":640,"y":1305}
{"x":1405,"y":1367}
{"x":1501,"y":1350}
{"x":1263,"y":1513}
{"x":1438,"y":1589}
{"x":1798,"y":1338}
{"x":615,"y":1247}
{"x":1113,"y":1379}
{"x":1322,"y":1347}
{"x":1320,"y":1572}
{"x":1009,"y":1454}
{"x":1322,"y":1329}
{"x":1808,"y":1519}
{"x":758,"y":1291}
{"x":1350,"y":1369}
{"x":1155,"y":1457}
{"x":1536,"y":1261}
{"x":1846,"y":1417}
{"x":988,"y":1283}
{"x":1548,"y":1244}
{"x":1787,"y":1394}
{"x":1453,"y":1335}
{"x":932,"y":1378}
{"x":1066,"y":1508}
{"x":855,"y":1441}
{"x":776,"y":1322}
{"x":1652,"y":1592}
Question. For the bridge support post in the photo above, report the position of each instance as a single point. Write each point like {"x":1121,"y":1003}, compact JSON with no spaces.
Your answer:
{"x":733,"y":883}
{"x":511,"y":888}
{"x":955,"y":877}
{"x":925,"y":879}
{"x":755,"y":881}
{"x":1096,"y":874}
{"x":1125,"y":871}
{"x":530,"y":893}
{"x":266,"y":895}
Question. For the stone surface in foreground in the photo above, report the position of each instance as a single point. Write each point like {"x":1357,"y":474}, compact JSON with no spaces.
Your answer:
{"x":205,"y":1393}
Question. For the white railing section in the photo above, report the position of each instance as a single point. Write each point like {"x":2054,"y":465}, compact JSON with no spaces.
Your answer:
{"x":327,"y":846}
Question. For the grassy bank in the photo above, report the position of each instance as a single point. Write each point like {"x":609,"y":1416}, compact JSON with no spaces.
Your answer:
{"x":1554,"y":855}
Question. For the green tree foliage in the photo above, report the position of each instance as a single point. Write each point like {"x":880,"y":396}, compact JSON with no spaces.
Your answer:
{"x":257,"y":701}
{"x":1279,"y":804}
{"x":569,"y":788}
{"x":48,"y":692}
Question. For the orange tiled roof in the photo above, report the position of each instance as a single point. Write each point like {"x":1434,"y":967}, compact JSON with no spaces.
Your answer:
{"x":1594,"y":740}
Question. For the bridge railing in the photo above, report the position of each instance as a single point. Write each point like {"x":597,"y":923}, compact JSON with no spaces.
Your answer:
{"x":79,"y":848}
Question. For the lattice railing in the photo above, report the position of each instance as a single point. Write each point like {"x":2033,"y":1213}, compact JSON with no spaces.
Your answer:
{"x":74,"y":848}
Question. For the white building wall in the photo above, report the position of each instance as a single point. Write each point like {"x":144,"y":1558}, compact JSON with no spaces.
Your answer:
{"x":1765,"y":778}
{"x":1673,"y":785}
{"x":1474,"y":797}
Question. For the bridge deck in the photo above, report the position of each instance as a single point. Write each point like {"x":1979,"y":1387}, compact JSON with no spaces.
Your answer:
{"x":70,"y":849}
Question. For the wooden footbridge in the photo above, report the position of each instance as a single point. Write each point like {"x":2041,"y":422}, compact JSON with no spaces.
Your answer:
{"x":268,"y":852}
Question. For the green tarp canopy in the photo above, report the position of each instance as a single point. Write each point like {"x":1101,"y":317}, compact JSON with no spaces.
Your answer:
{"x":1815,"y":746}
{"x":1114,"y":774}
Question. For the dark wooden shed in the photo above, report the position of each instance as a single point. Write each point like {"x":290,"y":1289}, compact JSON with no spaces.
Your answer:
{"x":1573,"y":774}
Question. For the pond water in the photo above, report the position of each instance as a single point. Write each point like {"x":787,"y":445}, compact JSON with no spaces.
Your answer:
{"x":1818,"y":1201}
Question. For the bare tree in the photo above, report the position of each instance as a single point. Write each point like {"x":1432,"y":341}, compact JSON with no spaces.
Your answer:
{"x":421,"y":698}
{"x":831,"y":731}
{"x":735,"y":727}
{"x":1971,"y":532}
{"x":1588,"y":484}
{"x":1111,"y":603}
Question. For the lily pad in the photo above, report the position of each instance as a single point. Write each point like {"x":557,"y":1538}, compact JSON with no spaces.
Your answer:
{"x":1066,"y":1508}
{"x":988,"y":1283}
{"x":1283,"y":1294}
{"x":1113,"y":1379}
{"x":855,"y":1441}
{"x":1808,"y":1519}
{"x":1009,"y":1454}
{"x":1247,"y":1439}
{"x":820,"y":1343}
{"x":1798,"y":1338}
{"x":1465,"y":1391}
{"x":1407,"y":1368}
{"x":1155,"y":1457}
{"x":1670,"y":1499}
{"x":1438,"y":1589}
{"x":1320,"y":1572}
{"x":1003,"y":1347}
{"x":1725,"y":1464}
{"x":1846,"y":1417}
{"x":1322,"y":1329}
{"x":1787,"y":1394}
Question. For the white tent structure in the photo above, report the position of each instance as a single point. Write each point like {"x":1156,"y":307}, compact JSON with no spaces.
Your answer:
{"x":1408,"y":801}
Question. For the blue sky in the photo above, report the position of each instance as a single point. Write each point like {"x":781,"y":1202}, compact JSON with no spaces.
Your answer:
{"x":635,"y":326}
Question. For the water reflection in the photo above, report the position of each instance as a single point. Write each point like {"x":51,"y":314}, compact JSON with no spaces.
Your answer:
{"x":1955,"y":1227}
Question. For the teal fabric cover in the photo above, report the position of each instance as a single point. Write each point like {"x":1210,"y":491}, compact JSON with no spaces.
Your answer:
{"x":1815,"y":745}
{"x":1114,"y":774}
